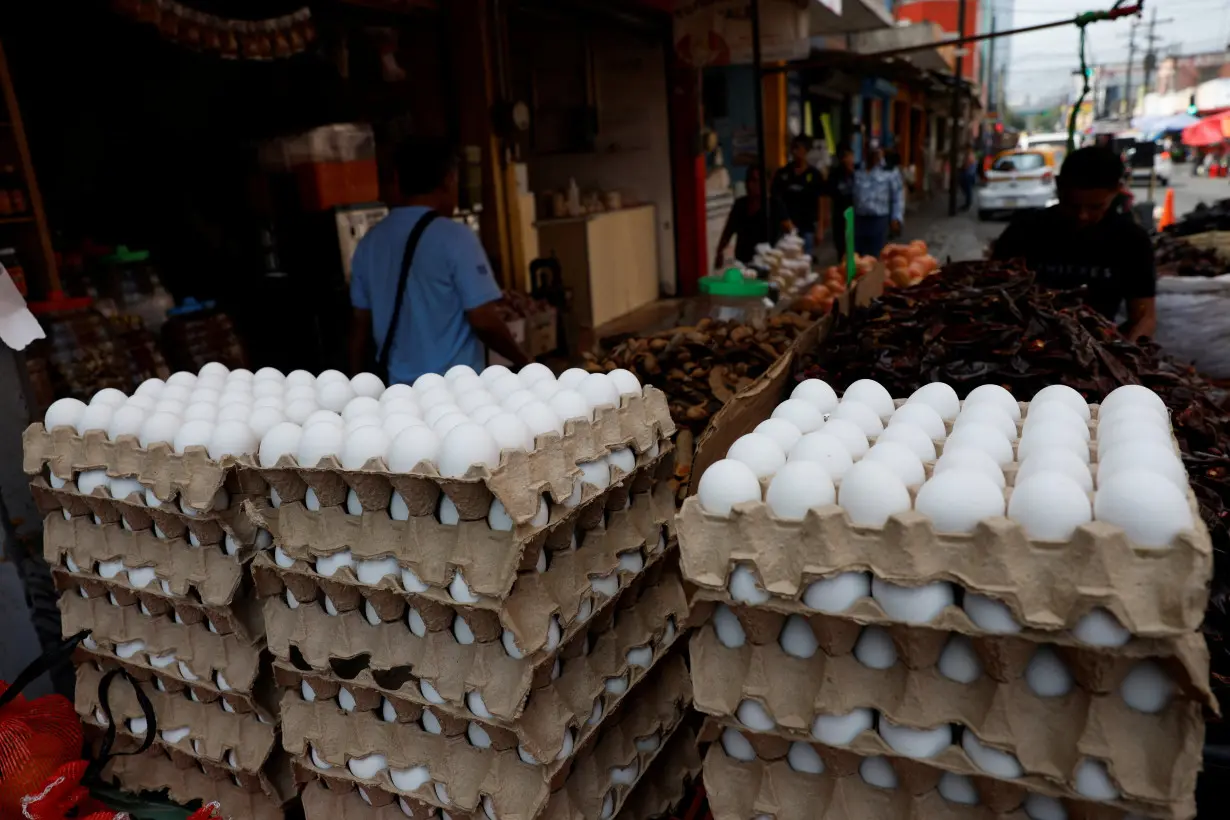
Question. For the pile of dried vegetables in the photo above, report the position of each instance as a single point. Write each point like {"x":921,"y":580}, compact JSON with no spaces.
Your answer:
{"x":1215,"y":217}
{"x":980,"y":323}
{"x":1177,"y":257}
{"x":700,"y":368}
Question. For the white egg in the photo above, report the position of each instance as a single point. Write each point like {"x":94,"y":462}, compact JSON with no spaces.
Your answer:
{"x":475,"y":703}
{"x":989,"y":414}
{"x":332,"y":377}
{"x":1049,"y":437}
{"x":282,"y":440}
{"x":825,"y":450}
{"x":96,"y":417}
{"x":299,"y":410}
{"x":959,"y":661}
{"x":430,"y":694}
{"x":447,"y":512}
{"x":860,"y":415}
{"x":1093,"y":780}
{"x":758,"y":452}
{"x":1049,"y":506}
{"x":478,"y":736}
{"x":625,"y":382}
{"x":265,"y":390}
{"x":540,"y":420}
{"x":912,"y":605}
{"x":899,"y":458}
{"x":1056,"y":460}
{"x":459,"y":590}
{"x":803,"y":415}
{"x":264,"y":419}
{"x":1134,"y":416}
{"x":990,"y":615}
{"x":870,"y":492}
{"x":598,"y":391}
{"x":121,"y":488}
{"x":534,"y":372}
{"x":797,"y":639}
{"x":365,"y":768}
{"x":920,"y":415}
{"x":939,"y":397}
{"x":798,"y":487}
{"x":803,"y":758}
{"x":414,"y":445}
{"x":271,"y":374}
{"x":839,"y":730}
{"x":989,"y":759}
{"x":570,"y":405}
{"x":878,"y":772}
{"x":1056,"y":414}
{"x":622,"y":458}
{"x":232,"y":438}
{"x":1147,"y":688}
{"x":367,"y":384}
{"x":996,"y":395}
{"x":193,"y":434}
{"x":159,"y":428}
{"x":515,"y":401}
{"x":238,"y":399}
{"x":126,"y":421}
{"x":334,"y":395}
{"x":817,"y":393}
{"x":1044,"y":807}
{"x":1099,"y":627}
{"x":956,"y":500}
{"x":1047,"y":675}
{"x":1149,"y":507}
{"x":727,"y":627}
{"x":363,"y":445}
{"x":293,"y":394}
{"x":981,"y":436}
{"x":395,"y":424}
{"x":875,"y":648}
{"x":735,"y":745}
{"x":318,"y":442}
{"x":916,"y":743}
{"x":912,"y":436}
{"x":745,"y":587}
{"x":234,"y":412}
{"x":957,"y":788}
{"x":597,"y":473}
{"x":873,"y":394}
{"x":398,"y":403}
{"x":727,"y":483}
{"x":90,"y":480}
{"x":837,"y":593}
{"x":1112,"y":436}
{"x":360,"y":406}
{"x":1132,"y":395}
{"x":781,"y":431}
{"x":150,"y":387}
{"x":1065,"y":395}
{"x":753,"y":715}
{"x":373,"y":570}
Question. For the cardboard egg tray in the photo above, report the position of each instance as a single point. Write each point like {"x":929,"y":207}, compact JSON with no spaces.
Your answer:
{"x":185,"y":780}
{"x":1048,"y":586}
{"x":641,"y":422}
{"x":490,"y":559}
{"x":527,"y":704}
{"x":204,"y":654}
{"x":1154,"y":757}
{"x":663,"y":787}
{"x":575,"y":580}
{"x":463,"y":778}
{"x":769,"y":786}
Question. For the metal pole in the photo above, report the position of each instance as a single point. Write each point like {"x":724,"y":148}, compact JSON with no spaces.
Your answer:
{"x":758,"y":102}
{"x":953,"y":130}
{"x":1127,"y":88}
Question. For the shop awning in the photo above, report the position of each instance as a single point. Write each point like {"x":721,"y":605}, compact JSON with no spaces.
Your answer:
{"x":1161,"y":125}
{"x":940,"y":59}
{"x":1209,"y":131}
{"x":841,"y":16}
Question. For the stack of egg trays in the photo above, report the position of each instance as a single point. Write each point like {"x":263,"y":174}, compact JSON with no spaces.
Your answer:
{"x":1159,"y":596}
{"x":149,"y":550}
{"x":477,"y":662}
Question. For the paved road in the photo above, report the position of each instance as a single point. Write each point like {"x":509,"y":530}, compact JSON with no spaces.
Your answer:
{"x":1189,"y":191}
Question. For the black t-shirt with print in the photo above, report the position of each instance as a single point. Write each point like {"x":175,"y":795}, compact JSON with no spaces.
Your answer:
{"x":1113,"y":259}
{"x":799,"y":192}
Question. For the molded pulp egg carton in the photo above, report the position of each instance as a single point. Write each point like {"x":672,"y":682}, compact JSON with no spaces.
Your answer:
{"x":540,"y":708}
{"x":662,"y":788}
{"x":519,"y":482}
{"x":585,"y":567}
{"x":465,"y":781}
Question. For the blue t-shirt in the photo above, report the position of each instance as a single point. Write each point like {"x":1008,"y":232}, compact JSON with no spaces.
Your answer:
{"x":450,"y":275}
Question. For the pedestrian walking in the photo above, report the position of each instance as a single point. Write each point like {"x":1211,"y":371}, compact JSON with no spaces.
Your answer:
{"x":839,"y":188}
{"x":969,"y":177}
{"x":798,"y":186}
{"x":879,"y":204}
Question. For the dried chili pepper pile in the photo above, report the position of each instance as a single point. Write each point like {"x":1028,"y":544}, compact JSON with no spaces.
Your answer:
{"x":1215,"y":217}
{"x":1178,"y":257}
{"x":981,"y":323}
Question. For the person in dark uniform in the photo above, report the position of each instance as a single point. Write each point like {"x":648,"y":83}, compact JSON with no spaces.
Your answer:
{"x":798,"y":187}
{"x":1084,"y":243}
{"x":839,"y":188}
{"x":747,"y":224}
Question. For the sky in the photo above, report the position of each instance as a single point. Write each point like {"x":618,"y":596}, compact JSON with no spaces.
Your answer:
{"x":1042,"y":62}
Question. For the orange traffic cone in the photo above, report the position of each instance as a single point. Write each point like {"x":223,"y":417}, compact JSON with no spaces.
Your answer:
{"x":1167,"y":211}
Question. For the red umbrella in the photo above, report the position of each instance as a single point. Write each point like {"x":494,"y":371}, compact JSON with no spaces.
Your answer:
{"x":1209,"y":131}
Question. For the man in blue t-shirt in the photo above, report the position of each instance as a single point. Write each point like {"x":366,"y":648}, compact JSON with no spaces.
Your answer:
{"x":448,"y":314}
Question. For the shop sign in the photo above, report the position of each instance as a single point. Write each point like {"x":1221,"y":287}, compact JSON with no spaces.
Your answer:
{"x":719,"y":32}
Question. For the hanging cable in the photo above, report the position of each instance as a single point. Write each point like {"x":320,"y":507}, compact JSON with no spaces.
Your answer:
{"x":1082,"y":21}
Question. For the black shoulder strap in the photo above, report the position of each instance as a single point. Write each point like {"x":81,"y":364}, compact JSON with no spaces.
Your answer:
{"x":412,"y":245}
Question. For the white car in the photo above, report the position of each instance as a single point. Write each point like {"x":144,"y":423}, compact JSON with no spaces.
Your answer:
{"x":1019,"y":180}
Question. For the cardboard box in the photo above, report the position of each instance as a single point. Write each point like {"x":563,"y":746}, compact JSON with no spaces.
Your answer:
{"x":523,"y":700}
{"x":641,"y":422}
{"x":541,"y":333}
{"x":467,"y":779}
{"x":1154,"y":757}
{"x":494,"y":564}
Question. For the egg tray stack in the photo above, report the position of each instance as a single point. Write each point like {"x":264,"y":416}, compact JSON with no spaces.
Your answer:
{"x":149,"y":551}
{"x":793,"y":746}
{"x":431,"y":666}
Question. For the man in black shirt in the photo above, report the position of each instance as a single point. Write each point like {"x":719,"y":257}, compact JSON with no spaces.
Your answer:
{"x":1082,"y":242}
{"x":798,"y":187}
{"x":747,"y":224}
{"x":840,"y":190}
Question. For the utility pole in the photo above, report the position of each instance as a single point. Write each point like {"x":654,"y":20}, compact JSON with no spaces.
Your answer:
{"x":992,"y":102}
{"x":1151,"y":53}
{"x":1127,"y":86}
{"x":954,"y":129}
